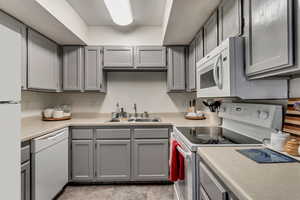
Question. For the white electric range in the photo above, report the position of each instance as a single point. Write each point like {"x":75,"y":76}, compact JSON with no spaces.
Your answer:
{"x":242,"y":125}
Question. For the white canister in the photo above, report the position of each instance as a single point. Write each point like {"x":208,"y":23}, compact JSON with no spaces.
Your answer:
{"x":278,"y":140}
{"x":48,"y":113}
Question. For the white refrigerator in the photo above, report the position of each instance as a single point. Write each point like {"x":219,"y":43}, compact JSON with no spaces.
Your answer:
{"x":10,"y":114}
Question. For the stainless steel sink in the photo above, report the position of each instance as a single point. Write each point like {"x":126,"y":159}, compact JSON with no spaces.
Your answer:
{"x":136,"y":120}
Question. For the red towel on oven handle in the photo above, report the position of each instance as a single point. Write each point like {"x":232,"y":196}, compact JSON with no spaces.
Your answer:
{"x":176,"y":163}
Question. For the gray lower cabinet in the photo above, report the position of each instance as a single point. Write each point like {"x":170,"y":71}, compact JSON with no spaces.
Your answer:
{"x":25,"y":172}
{"x":176,"y":77}
{"x":199,"y":45}
{"x":73,"y":68}
{"x":150,"y":159}
{"x":44,"y":66}
{"x":115,"y":57}
{"x":82,"y":160}
{"x":210,"y":31}
{"x":150,"y":57}
{"x":191,"y":69}
{"x":25,"y":181}
{"x":95,"y":78}
{"x":230,"y":19}
{"x":112,"y":154}
{"x":269,"y":37}
{"x":113,"y":159}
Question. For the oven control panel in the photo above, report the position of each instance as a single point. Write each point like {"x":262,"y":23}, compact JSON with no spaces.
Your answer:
{"x":268,"y":116}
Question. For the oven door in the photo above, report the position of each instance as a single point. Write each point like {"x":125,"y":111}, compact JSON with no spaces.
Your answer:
{"x":213,"y":76}
{"x":185,"y":189}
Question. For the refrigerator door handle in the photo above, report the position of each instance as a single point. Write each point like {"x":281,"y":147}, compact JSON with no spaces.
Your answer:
{"x":10,"y":102}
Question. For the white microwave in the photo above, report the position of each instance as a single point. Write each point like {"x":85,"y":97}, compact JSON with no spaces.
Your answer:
{"x":221,"y":74}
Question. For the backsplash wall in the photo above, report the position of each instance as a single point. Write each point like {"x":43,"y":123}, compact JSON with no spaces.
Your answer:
{"x":147,"y":89}
{"x":32,"y":103}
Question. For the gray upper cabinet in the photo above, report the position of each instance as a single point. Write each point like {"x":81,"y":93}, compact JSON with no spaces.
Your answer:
{"x":230,"y":19}
{"x":23,"y":31}
{"x":82,"y":160}
{"x":113,"y":160}
{"x":12,"y":54}
{"x":176,"y":69}
{"x":199,"y":45}
{"x":151,"y":159}
{"x":118,"y":57}
{"x":210,"y":31}
{"x":73,"y":68}
{"x":95,"y":79}
{"x":191,"y":69}
{"x":269,"y":37}
{"x":43,"y":63}
{"x":150,"y":57}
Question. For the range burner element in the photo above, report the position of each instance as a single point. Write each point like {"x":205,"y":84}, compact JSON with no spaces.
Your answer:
{"x":215,"y":135}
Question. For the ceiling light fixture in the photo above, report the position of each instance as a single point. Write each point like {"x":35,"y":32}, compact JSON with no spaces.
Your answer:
{"x":120,"y":11}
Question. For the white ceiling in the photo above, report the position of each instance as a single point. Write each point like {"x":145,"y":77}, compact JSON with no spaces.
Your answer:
{"x":145,"y":12}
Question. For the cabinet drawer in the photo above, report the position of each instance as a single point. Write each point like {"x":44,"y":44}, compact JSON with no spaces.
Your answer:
{"x":25,"y":153}
{"x":211,"y":185}
{"x":149,"y":133}
{"x":82,"y":134}
{"x":112,"y":133}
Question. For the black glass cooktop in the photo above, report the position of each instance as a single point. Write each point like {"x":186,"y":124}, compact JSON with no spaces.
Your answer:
{"x":215,"y":135}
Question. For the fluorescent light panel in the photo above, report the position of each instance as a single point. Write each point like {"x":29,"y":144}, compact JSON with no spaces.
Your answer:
{"x":120,"y":11}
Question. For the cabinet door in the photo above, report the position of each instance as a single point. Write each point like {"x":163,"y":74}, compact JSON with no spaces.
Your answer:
{"x":73,"y":63}
{"x":191,"y":71}
{"x":230,"y":19}
{"x":112,"y":160}
{"x":176,"y":68}
{"x":268,"y":33}
{"x":24,"y":57}
{"x":118,"y":57}
{"x":199,"y":46}
{"x":150,"y":57}
{"x":11,"y":58}
{"x":211,"y":33}
{"x":151,"y":160}
{"x":25,"y":181}
{"x":82,"y":160}
{"x":43,"y":63}
{"x":94,"y":76}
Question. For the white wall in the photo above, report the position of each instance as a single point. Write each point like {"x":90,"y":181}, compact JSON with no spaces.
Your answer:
{"x":295,"y":88}
{"x":112,"y":35}
{"x":34,"y":102}
{"x":147,"y":89}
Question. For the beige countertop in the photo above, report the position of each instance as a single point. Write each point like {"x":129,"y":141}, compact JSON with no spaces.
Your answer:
{"x":32,"y":127}
{"x":249,"y":180}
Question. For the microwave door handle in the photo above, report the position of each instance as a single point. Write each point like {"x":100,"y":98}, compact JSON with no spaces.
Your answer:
{"x":220,"y":82}
{"x":215,"y":72}
{"x":216,"y":76}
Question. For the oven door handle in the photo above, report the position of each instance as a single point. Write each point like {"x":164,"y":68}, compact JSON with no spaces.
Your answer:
{"x":183,"y":153}
{"x":219,"y":75}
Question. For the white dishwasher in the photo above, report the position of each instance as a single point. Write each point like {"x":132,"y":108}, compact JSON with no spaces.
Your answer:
{"x":50,"y":164}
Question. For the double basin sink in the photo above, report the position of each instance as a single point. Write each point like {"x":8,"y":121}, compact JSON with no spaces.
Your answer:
{"x":135,"y":120}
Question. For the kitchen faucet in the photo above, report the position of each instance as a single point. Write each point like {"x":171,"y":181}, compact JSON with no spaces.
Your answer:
{"x":135,"y":110}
